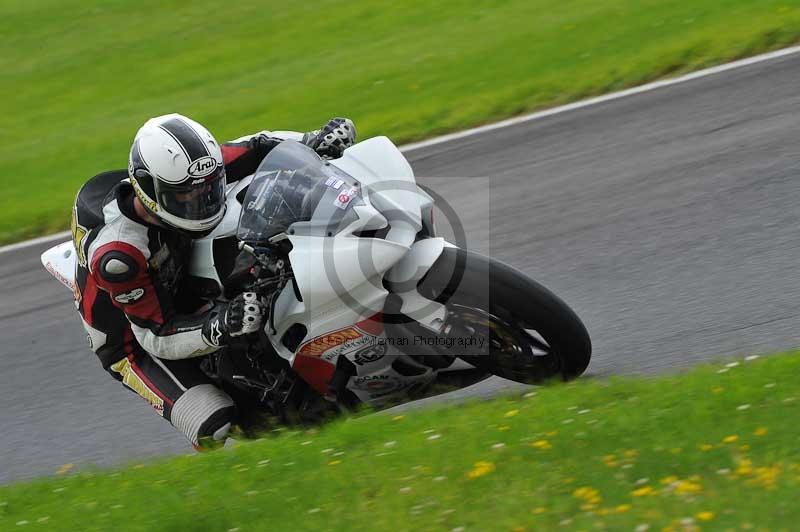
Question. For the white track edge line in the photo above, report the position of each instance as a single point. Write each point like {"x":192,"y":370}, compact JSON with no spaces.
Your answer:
{"x":35,"y":241}
{"x":526,"y":118}
{"x":602,"y":99}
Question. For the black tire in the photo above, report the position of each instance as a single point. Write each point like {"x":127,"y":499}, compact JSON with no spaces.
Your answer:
{"x":514,"y":306}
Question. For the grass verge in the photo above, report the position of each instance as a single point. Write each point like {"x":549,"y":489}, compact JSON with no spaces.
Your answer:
{"x":714,"y":448}
{"x":78,"y":78}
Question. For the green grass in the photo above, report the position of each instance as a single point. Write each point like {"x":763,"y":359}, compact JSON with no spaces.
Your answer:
{"x":78,"y":78}
{"x":715,"y":448}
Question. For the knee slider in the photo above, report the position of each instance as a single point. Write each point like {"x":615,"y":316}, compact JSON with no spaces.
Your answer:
{"x":218,"y":425}
{"x":203,"y":412}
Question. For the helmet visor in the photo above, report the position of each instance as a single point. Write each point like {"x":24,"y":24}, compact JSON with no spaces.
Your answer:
{"x":198,"y":201}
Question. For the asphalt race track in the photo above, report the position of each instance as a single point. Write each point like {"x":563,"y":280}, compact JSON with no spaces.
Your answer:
{"x":669,"y":220}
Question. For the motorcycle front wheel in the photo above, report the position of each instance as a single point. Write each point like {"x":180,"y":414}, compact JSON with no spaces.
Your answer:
{"x":505,"y":323}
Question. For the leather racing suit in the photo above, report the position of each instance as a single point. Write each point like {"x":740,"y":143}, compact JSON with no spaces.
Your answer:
{"x":130,"y":294}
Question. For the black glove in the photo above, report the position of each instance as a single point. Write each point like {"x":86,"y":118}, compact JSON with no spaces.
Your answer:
{"x":243,"y":315}
{"x":263,"y":144}
{"x":331,"y":141}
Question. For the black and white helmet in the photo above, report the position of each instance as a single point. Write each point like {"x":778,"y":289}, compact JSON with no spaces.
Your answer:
{"x":177,"y":171}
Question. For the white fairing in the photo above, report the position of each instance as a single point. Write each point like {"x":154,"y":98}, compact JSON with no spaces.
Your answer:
{"x":413,"y":267}
{"x":203,"y":250}
{"x":326,"y":268}
{"x":389,"y":180}
{"x":340,"y":278}
{"x":60,"y":262}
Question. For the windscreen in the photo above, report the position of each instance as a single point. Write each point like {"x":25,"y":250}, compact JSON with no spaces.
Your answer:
{"x":294,"y":188}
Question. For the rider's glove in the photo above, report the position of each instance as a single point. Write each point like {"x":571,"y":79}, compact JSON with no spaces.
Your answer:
{"x":263,"y":143}
{"x":331,"y":141}
{"x":243,"y":315}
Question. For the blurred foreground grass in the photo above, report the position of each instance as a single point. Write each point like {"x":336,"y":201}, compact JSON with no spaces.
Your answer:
{"x":715,"y":448}
{"x":78,"y":78}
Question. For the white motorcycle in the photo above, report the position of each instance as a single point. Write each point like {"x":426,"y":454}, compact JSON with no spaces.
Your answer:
{"x":367,"y":304}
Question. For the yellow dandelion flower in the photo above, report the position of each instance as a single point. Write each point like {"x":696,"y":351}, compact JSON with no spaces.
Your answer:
{"x":588,"y":495}
{"x":511,"y":413}
{"x":745,"y":467}
{"x":503,"y":427}
{"x":480,"y":469}
{"x":669,"y":480}
{"x":551,"y":433}
{"x":583,"y":491}
{"x":622,"y":508}
{"x":687,"y":487}
{"x":761,"y":431}
{"x":766,"y":477}
{"x":603,"y":511}
{"x":705,"y":447}
{"x":730,"y":439}
{"x":610,"y":460}
{"x":542,"y":445}
{"x":644,"y":491}
{"x":704,"y":516}
{"x":539,"y":510}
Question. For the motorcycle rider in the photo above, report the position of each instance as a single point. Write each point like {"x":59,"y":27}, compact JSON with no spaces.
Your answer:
{"x":133,"y":234}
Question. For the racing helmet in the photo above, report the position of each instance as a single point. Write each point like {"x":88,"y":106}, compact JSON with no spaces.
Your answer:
{"x":177,"y":172}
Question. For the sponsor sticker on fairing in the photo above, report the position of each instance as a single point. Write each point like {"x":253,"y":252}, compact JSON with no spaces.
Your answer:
{"x":343,"y":198}
{"x":55,"y":273}
{"x":378,"y":384}
{"x":374,"y":382}
{"x":321,"y":344}
{"x":371,"y":353}
{"x":334,"y":183}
